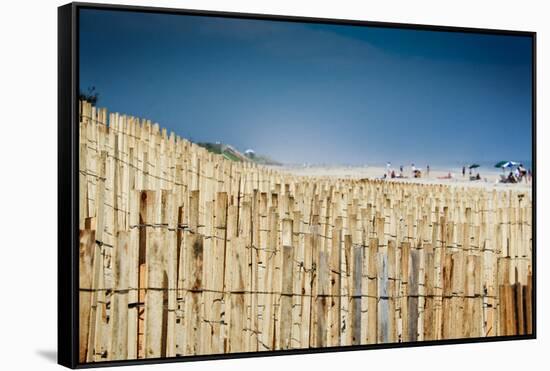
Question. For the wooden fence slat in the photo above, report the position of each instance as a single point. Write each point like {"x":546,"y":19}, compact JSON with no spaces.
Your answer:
{"x":372,"y":274}
{"x":528,"y":300}
{"x":393,"y":292}
{"x":194,"y":257}
{"x":404,"y":291}
{"x":383,"y":301}
{"x":238,"y":287}
{"x":287,"y":286}
{"x":156,"y":279}
{"x":94,"y":353}
{"x":170,"y":262}
{"x":413,"y":293}
{"x":429,"y":310}
{"x":85,"y":273}
{"x":356,"y":295}
{"x":119,"y":336}
{"x":322,"y":300}
{"x":133,"y":274}
{"x":335,"y":283}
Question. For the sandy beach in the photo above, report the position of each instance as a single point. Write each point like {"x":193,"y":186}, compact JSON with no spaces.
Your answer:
{"x":489,"y":177}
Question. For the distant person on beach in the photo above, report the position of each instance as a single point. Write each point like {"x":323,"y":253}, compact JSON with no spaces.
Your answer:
{"x":428,"y":170}
{"x":517,"y":174}
{"x":522,"y":172}
{"x":463,"y":171}
{"x":393,"y":174}
{"x":413,"y":170}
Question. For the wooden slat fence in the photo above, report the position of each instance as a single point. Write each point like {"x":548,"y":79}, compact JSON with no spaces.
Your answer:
{"x":184,"y":252}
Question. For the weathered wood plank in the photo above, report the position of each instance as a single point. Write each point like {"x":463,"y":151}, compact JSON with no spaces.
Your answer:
{"x":413,"y":294}
{"x":287,"y":285}
{"x":356,"y":295}
{"x":119,"y":317}
{"x":85,"y":275}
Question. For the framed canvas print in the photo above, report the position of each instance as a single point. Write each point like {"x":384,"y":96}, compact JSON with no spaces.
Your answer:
{"x":236,"y":185}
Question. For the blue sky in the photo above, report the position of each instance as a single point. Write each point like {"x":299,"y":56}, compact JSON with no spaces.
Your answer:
{"x":315,"y":93}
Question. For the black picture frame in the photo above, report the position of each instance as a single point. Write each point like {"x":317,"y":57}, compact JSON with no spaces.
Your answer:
{"x":68,"y":230}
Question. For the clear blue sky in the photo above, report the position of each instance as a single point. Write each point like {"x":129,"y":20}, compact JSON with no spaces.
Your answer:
{"x":315,"y":93}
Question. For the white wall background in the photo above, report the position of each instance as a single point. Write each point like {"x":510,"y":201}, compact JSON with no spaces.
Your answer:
{"x":28,"y":181}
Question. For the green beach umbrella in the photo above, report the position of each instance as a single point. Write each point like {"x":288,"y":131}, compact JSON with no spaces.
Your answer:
{"x":500,"y":164}
{"x":473,"y":166}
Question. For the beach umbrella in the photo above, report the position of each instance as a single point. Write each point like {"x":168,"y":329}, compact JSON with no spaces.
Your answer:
{"x":506,"y":164}
{"x":509,"y":164}
{"x":473,"y":166}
